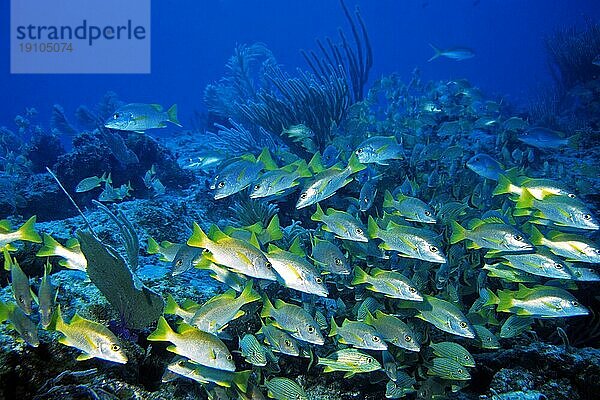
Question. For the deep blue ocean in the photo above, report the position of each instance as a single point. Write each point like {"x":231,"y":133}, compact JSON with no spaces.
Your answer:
{"x":192,"y":40}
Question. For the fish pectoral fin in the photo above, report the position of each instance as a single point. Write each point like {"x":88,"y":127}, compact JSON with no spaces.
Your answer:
{"x":349,"y":374}
{"x":84,"y":356}
{"x":239,"y":314}
{"x":328,"y":369}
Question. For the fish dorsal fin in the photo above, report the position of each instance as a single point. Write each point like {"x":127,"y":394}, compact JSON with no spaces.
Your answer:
{"x":216,"y":234}
{"x":255,"y":228}
{"x":295,"y":248}
{"x":156,"y":107}
{"x":254,"y":241}
{"x":267,"y":160}
{"x":316,"y":164}
{"x":84,"y":356}
{"x":76,"y":318}
{"x":279,"y":303}
{"x":273,"y":249}
{"x":73,"y":244}
{"x":248,"y":157}
{"x":5,"y":226}
{"x":183,"y":328}
{"x":493,"y":220}
{"x":475,"y":222}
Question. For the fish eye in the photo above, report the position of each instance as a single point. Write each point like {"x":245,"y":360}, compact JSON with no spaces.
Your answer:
{"x":358,"y":151}
{"x":463,"y":324}
{"x":518,"y":238}
{"x":337,"y":261}
{"x":115,"y":347}
{"x":558,"y":266}
{"x":467,"y":357}
{"x":407,"y":338}
{"x":433,"y":249}
{"x":268,"y":265}
{"x":229,"y":357}
{"x":179,"y":263}
{"x":221,"y":185}
{"x":412,"y":289}
{"x":181,"y":363}
{"x":318,"y":280}
{"x":575,"y":303}
{"x":587,"y":217}
{"x":303,"y":195}
{"x":571,"y":195}
{"x":369,"y":360}
{"x":310,"y":329}
{"x":288,"y":342}
{"x":376,"y":339}
{"x":359,"y":231}
{"x":460,"y":371}
{"x":256,"y":187}
{"x":116,"y":116}
{"x":427,"y":213}
{"x":206,"y":251}
{"x":366,"y":199}
{"x":21,"y":300}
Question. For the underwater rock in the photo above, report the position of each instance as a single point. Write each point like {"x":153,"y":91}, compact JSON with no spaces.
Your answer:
{"x":43,"y":150}
{"x":549,"y":369}
{"x":41,"y":196}
{"x":93,"y":154}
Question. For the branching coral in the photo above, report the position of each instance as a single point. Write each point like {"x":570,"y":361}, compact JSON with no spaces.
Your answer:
{"x":237,"y":139}
{"x":571,"y":52}
{"x":314,"y":102}
{"x":243,"y":78}
{"x":356,"y":62}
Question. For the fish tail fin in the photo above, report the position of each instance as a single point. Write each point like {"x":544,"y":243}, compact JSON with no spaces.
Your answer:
{"x":575,"y":140}
{"x":388,"y":199}
{"x":535,"y":235}
{"x":240,"y":379}
{"x":372,"y":227}
{"x":153,"y":247}
{"x":492,"y":298}
{"x":3,"y":311}
{"x":267,"y":160}
{"x":171,"y":306}
{"x":172,"y":115}
{"x":458,"y":233}
{"x":505,"y":301}
{"x":360,"y":276}
{"x":59,"y":324}
{"x":334,"y":328}
{"x":354,"y":165}
{"x":302,"y":170}
{"x":525,"y":200}
{"x":438,"y":53}
{"x":316,"y":164}
{"x":249,"y":295}
{"x":274,"y":231}
{"x":198,"y":238}
{"x":267,"y":309}
{"x":318,"y":215}
{"x":49,"y":247}
{"x":504,"y":185}
{"x":27,"y":231}
{"x":163,"y":331}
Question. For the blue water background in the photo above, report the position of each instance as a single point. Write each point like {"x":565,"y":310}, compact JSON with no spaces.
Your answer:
{"x":192,"y":40}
